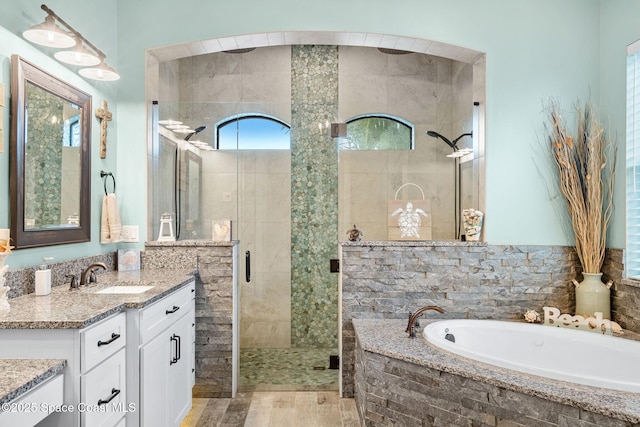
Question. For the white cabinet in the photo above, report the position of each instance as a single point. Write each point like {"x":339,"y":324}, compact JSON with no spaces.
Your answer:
{"x":165,"y":356}
{"x":133,"y":368}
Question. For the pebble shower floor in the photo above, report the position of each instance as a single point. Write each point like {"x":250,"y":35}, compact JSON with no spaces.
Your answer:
{"x":287,"y":369}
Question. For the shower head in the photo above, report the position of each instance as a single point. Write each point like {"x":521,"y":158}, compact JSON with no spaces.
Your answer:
{"x":197,"y":131}
{"x":452,"y":144}
{"x":434,"y":134}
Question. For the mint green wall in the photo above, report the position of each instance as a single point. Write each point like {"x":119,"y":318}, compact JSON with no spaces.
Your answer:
{"x":82,"y":16}
{"x":534,"y":50}
{"x":565,"y":49}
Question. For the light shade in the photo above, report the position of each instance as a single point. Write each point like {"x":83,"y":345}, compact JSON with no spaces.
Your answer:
{"x":101,"y":72}
{"x":49,"y":34}
{"x":79,"y":55}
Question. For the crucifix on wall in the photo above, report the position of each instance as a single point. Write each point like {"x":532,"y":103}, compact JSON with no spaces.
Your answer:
{"x":104,"y":115}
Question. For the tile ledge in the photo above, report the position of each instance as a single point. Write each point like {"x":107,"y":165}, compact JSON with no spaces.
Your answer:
{"x":411,"y":243}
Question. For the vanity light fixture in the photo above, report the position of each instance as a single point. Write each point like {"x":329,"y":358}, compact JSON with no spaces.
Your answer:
{"x":83,"y":54}
{"x":79,"y":55}
{"x":101,"y":72}
{"x":48,"y":34}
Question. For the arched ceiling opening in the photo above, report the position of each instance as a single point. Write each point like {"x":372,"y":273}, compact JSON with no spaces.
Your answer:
{"x":183,"y":50}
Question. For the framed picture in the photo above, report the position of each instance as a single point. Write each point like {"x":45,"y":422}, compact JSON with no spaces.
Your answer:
{"x":221,"y":230}
{"x":128,"y":260}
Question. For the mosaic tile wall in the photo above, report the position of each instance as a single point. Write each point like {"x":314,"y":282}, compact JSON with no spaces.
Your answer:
{"x":43,"y":158}
{"x":314,"y":196}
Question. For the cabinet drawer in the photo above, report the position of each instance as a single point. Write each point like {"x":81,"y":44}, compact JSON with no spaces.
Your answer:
{"x":103,"y":392}
{"x":32,"y":407}
{"x":101,"y":341}
{"x":157,"y":317}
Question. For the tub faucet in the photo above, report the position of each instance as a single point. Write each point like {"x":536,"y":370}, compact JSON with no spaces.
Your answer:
{"x":89,"y":274}
{"x":413,"y":318}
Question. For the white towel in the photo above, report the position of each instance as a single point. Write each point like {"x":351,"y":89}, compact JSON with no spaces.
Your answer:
{"x":110,"y":226}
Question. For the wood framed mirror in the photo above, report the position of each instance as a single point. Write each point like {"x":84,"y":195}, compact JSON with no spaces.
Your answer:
{"x":50,"y":164}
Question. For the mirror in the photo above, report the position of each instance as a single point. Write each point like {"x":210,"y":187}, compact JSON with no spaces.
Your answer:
{"x":50,"y":159}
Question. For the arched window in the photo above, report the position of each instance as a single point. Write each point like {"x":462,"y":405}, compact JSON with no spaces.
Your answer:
{"x":253,"y":132}
{"x":377,"y":132}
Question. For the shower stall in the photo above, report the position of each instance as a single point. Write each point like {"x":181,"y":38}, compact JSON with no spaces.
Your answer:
{"x":289,"y":207}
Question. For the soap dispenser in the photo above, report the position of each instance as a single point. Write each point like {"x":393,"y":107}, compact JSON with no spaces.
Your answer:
{"x":43,"y":278}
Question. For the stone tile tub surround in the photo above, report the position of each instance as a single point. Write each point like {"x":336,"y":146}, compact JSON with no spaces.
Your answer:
{"x":387,"y":280}
{"x":18,"y":376}
{"x":411,"y":382}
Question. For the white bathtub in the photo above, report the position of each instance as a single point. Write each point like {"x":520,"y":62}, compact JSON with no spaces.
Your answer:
{"x":568,"y":355}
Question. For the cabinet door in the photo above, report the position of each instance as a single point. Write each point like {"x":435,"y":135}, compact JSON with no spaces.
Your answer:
{"x":154,"y":365}
{"x":180,"y":369}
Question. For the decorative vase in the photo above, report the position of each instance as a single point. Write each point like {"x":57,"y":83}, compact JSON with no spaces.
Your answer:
{"x":593,"y":296}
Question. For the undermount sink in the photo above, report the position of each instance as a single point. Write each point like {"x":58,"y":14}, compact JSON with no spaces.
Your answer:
{"x":125,"y":289}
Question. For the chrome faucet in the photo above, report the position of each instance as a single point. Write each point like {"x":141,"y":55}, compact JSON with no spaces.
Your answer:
{"x":89,"y":274}
{"x":413,"y":318}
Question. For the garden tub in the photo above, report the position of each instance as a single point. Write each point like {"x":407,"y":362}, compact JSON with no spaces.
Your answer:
{"x":568,"y":355}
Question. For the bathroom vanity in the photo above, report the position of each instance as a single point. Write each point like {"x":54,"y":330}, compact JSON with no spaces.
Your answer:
{"x":129,"y":350}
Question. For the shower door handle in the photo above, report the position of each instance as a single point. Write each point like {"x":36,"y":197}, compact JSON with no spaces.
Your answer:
{"x":247,"y":266}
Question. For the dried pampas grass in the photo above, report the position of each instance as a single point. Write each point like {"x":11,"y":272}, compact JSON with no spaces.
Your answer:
{"x":585,"y":166}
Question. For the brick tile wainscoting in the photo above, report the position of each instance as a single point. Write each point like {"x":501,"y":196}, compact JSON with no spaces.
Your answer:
{"x":390,"y":391}
{"x":388,"y":280}
{"x":214,"y":307}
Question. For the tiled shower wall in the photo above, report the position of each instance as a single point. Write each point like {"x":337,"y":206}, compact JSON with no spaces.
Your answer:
{"x":431,"y":93}
{"x":314,"y":196}
{"x":388,"y":280}
{"x":418,"y":88}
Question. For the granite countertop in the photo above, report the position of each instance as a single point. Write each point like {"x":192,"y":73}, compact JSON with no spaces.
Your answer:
{"x":76,"y":309}
{"x":17,"y":376}
{"x":387,"y":337}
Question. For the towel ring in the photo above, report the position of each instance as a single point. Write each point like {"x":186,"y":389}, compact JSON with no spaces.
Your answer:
{"x":104,"y":175}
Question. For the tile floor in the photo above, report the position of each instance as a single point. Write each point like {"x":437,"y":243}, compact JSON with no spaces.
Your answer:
{"x":275,"y":409}
{"x":280,"y":388}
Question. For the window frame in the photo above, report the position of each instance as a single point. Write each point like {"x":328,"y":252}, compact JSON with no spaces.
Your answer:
{"x":632,"y":164}
{"x":390,"y":117}
{"x":244,"y":116}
